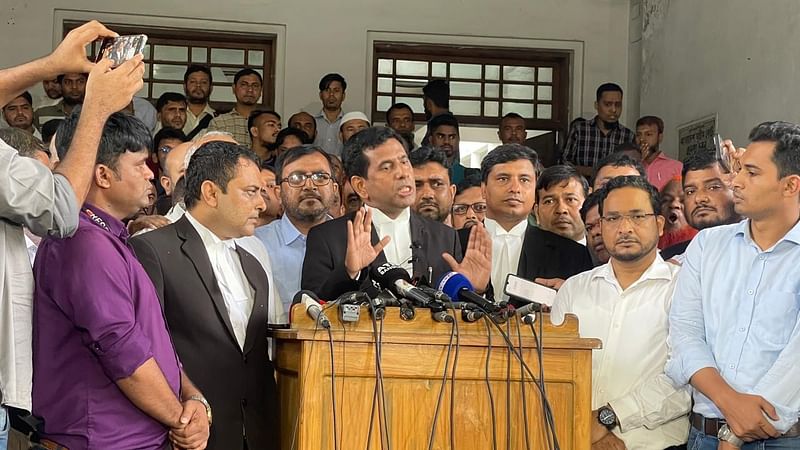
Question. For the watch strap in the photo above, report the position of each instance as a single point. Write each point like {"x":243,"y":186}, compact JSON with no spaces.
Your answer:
{"x":205,"y":403}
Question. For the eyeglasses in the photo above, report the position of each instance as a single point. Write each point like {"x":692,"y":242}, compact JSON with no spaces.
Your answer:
{"x":461,"y":208}
{"x":299,"y":179}
{"x":636,"y":219}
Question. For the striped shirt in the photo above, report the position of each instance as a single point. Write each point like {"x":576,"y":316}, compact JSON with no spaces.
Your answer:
{"x":233,"y":123}
{"x":586,"y":144}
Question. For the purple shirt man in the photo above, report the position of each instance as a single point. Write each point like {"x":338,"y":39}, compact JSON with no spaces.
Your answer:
{"x":96,"y":319}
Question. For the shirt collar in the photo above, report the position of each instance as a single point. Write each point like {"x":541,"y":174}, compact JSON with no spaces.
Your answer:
{"x":379,"y":218}
{"x":210,"y":240}
{"x":496,"y":230}
{"x":658,"y":270}
{"x":289,"y":233}
{"x":115,"y":225}
{"x":321,"y":115}
{"x":176,"y":212}
{"x":793,"y":235}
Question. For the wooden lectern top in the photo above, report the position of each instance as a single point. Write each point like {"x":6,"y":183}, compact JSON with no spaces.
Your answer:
{"x":399,"y":331}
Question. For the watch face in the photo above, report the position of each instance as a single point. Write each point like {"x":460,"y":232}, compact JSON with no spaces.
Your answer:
{"x":606,"y":416}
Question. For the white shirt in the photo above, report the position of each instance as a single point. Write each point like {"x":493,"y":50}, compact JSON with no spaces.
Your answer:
{"x":192,"y":121}
{"x":506,"y":248}
{"x":236,"y":290}
{"x":628,"y":372}
{"x":44,"y":202}
{"x":398,"y":250}
{"x":277,"y":312}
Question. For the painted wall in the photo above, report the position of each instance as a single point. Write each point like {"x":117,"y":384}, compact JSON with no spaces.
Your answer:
{"x":735,"y":58}
{"x":325,"y":36}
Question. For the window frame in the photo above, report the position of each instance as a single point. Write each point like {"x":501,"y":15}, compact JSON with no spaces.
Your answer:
{"x":207,"y":39}
{"x":558,"y":60}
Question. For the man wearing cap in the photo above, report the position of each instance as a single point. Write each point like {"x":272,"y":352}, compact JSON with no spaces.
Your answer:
{"x":352,"y":123}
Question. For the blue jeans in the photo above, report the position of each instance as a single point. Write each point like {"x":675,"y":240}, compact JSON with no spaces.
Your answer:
{"x":701,"y":441}
{"x":4,"y":426}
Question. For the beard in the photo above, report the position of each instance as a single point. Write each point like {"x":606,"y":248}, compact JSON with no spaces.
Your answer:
{"x":307,"y":214}
{"x":72,"y":101}
{"x":632,"y":255}
{"x":437,"y":215}
{"x":729,"y":216}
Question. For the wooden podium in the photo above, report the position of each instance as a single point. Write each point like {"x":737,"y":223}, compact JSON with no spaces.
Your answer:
{"x":413,"y":358}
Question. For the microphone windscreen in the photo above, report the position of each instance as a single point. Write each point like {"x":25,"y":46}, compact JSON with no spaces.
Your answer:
{"x":298,"y":297}
{"x":387,"y":274}
{"x":452,"y":282}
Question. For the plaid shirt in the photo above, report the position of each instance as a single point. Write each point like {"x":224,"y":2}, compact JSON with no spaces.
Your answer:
{"x":233,"y":123}
{"x":586,"y":144}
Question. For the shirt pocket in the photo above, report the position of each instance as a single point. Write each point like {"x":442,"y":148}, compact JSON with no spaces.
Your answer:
{"x":774,"y":319}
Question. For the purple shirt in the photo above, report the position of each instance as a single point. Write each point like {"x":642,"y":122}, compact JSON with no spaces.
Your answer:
{"x":96,"y":319}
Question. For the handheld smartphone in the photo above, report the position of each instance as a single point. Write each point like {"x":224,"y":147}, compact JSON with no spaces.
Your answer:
{"x":121,"y":48}
{"x":720,"y":154}
{"x":528,"y":290}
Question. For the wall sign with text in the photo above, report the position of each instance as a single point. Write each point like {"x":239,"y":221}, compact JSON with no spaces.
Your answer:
{"x":697,"y":135}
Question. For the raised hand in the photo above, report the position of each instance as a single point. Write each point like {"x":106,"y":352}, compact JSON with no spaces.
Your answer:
{"x":732,"y":156}
{"x":360,"y":251}
{"x":644,"y":150}
{"x":477,"y":262}
{"x":109,"y":91}
{"x":70,"y":55}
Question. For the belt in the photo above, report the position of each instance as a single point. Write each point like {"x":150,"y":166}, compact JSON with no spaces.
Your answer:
{"x":711,"y":426}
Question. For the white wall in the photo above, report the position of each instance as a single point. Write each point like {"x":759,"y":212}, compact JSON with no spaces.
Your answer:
{"x":331,"y":36}
{"x":737,"y":58}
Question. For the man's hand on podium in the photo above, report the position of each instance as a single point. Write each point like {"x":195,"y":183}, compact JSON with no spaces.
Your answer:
{"x":609,"y":442}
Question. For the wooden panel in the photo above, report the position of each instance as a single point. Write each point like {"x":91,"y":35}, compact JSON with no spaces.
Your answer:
{"x":412,"y":380}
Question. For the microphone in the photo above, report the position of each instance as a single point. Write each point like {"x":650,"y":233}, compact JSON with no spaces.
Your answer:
{"x":396,"y":279}
{"x":436,"y":295}
{"x":350,"y":305}
{"x":379,"y":302}
{"x":456,"y":285}
{"x":471,"y":315}
{"x":529,"y":309}
{"x":309,"y":301}
{"x":407,"y":311}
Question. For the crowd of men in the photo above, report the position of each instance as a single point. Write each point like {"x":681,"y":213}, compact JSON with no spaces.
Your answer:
{"x":146,"y":249}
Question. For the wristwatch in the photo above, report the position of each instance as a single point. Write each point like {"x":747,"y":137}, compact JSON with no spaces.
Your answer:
{"x":203,"y":400}
{"x":607,"y":417}
{"x":725,"y":434}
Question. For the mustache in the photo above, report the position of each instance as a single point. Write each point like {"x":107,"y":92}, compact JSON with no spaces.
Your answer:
{"x":703,"y":207}
{"x":310,"y":195}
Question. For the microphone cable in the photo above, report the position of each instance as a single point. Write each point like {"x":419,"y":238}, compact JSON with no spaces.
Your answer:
{"x":547,"y":411}
{"x":508,"y":389}
{"x":539,"y":350}
{"x":453,"y":377}
{"x":488,"y":381}
{"x":441,"y":390}
{"x":333,"y":393}
{"x":379,"y":390}
{"x":304,"y":379}
{"x":522,"y":390}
